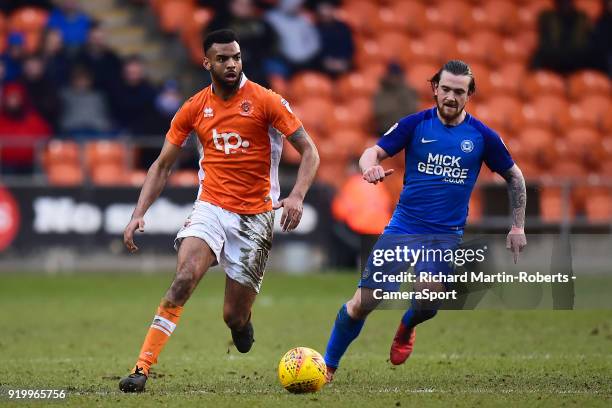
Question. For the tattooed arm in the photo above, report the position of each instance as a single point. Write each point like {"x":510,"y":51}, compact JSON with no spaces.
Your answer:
{"x":293,"y":204}
{"x":516,"y":239}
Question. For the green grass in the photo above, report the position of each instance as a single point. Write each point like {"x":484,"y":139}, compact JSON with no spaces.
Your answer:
{"x":82,"y":332}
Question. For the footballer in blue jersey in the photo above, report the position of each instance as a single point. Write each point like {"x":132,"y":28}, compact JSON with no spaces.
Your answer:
{"x":444,"y":149}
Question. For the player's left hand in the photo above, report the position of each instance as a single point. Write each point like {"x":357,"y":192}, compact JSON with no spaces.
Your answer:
{"x":292,"y":212}
{"x":516,"y":241}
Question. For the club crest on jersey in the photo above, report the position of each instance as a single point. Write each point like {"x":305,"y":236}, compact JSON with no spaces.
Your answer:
{"x":467,"y":146}
{"x":208,"y":112}
{"x":246,"y":108}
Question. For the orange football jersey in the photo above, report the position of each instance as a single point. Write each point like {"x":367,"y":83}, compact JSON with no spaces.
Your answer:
{"x":240,"y":145}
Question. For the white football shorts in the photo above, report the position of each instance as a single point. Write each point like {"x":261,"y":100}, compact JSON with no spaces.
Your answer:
{"x":241,"y":243}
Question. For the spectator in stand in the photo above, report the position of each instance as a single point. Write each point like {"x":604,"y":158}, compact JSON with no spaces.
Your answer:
{"x":601,"y":40}
{"x":134,"y":101}
{"x":85,"y":114}
{"x":394,"y":99}
{"x":563,"y":39}
{"x":12,"y":58}
{"x":299,"y":40}
{"x":71,"y":22}
{"x":99,"y":59}
{"x":169,"y":100}
{"x":257,"y":38}
{"x":21,"y":127}
{"x":56,"y":58}
{"x":337,"y":48}
{"x":42,"y":92}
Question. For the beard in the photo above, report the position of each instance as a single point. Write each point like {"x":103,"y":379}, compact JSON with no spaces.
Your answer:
{"x":449,"y":113}
{"x":227,"y":84}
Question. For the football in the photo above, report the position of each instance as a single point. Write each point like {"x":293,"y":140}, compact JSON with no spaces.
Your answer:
{"x":302,"y":370}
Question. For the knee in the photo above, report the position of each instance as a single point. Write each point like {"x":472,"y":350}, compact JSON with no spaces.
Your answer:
{"x":235,"y":319}
{"x":356,"y":309}
{"x":184,"y":281}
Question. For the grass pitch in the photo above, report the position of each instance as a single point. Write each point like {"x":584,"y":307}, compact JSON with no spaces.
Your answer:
{"x":82,"y":333}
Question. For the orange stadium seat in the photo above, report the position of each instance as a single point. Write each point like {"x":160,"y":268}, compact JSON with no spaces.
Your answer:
{"x":27,"y":19}
{"x":109,"y":174}
{"x":584,"y":145}
{"x":417,"y":52}
{"x":391,"y":45}
{"x":308,"y":84}
{"x":543,"y":82}
{"x":3,"y":24}
{"x":536,"y":144}
{"x":352,"y":140}
{"x":502,"y":113}
{"x":65,"y":174}
{"x":451,"y":15}
{"x":344,"y":117}
{"x":548,"y":111}
{"x":507,"y":79}
{"x":485,"y":46}
{"x":412,"y":13}
{"x":592,"y":8}
{"x":173,"y":14}
{"x":356,"y":84}
{"x":482,"y":75}
{"x":367,"y":51}
{"x":529,"y":11}
{"x":499,"y":15}
{"x":441,"y":43}
{"x":551,"y":204}
{"x":598,"y":205}
{"x":137,"y":177}
{"x":359,"y":14}
{"x":587,"y":82}
{"x":314,"y":113}
{"x":184,"y":178}
{"x":62,"y":152}
{"x":191,"y":34}
{"x":593,"y":111}
{"x":418,"y":77}
{"x":528,"y":39}
{"x":514,"y":51}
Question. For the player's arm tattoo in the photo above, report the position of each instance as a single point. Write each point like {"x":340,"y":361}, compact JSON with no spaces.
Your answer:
{"x":309,"y":163}
{"x":518,"y":195}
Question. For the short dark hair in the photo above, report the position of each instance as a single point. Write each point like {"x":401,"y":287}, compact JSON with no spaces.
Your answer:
{"x":455,"y":67}
{"x":223,"y":36}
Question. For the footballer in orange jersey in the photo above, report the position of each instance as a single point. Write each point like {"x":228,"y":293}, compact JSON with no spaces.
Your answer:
{"x":239,"y":127}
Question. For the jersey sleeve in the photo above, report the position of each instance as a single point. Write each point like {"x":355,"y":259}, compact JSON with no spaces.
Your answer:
{"x":280,"y":115}
{"x":399,"y":135}
{"x":496,"y":155}
{"x":181,"y":125}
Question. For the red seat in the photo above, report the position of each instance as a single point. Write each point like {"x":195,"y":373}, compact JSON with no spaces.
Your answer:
{"x":499,"y":15}
{"x":450,"y":15}
{"x":592,"y":111}
{"x":309,"y":84}
{"x":587,"y":82}
{"x":543,"y":82}
{"x":548,"y":111}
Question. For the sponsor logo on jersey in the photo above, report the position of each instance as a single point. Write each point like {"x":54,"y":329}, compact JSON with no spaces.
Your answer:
{"x":444,"y":165}
{"x":467,"y":146}
{"x":391,"y":129}
{"x":230,"y":142}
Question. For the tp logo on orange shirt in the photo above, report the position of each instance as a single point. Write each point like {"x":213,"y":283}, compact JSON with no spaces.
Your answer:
{"x":229,"y":142}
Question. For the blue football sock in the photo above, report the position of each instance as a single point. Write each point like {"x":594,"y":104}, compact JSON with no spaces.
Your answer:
{"x":414,"y":316}
{"x":345,"y":330}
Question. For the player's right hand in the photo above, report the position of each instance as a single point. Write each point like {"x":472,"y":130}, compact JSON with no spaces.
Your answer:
{"x":375,"y":174}
{"x":128,"y":234}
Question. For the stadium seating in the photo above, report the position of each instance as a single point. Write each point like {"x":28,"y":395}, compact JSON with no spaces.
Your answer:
{"x":451,"y":15}
{"x":62,"y":163}
{"x":3,"y":33}
{"x":499,"y":15}
{"x":542,"y":82}
{"x":593,"y":111}
{"x":411,"y":14}
{"x":356,"y":84}
{"x":106,"y":162}
{"x":184,"y":178}
{"x":309,"y":84}
{"x":30,"y":22}
{"x":598,"y":204}
{"x":174,"y":13}
{"x":587,"y":82}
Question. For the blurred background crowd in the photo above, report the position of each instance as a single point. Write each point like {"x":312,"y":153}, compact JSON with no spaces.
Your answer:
{"x":87,"y":88}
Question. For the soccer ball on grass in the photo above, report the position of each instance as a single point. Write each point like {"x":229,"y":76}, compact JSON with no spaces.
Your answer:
{"x":302,"y":370}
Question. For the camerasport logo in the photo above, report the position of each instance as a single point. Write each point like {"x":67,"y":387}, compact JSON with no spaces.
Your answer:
{"x":9,"y":218}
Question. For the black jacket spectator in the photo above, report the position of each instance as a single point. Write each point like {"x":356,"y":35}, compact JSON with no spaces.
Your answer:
{"x":337,"y":46}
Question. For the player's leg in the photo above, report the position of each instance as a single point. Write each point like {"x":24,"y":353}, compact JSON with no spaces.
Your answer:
{"x":347,"y":326}
{"x":194,"y":259}
{"x":420,"y":311}
{"x":237,"y":306}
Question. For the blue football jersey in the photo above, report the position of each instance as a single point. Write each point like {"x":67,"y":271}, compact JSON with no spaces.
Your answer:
{"x":442,"y":165}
